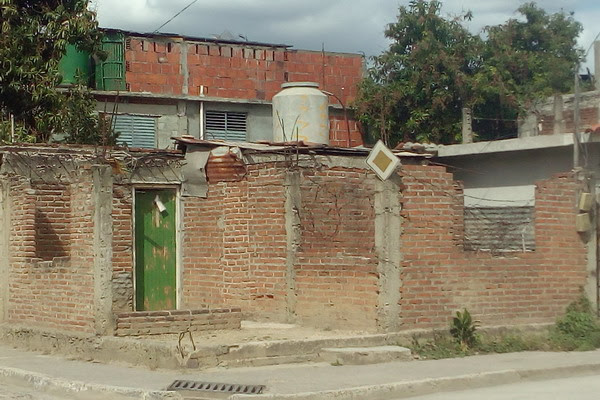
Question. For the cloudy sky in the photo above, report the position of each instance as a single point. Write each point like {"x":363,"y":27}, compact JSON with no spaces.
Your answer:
{"x":339,"y":25}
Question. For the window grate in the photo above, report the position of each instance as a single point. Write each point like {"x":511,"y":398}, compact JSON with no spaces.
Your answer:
{"x":226,"y":125}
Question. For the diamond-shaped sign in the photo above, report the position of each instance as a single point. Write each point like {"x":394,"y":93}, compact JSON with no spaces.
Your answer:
{"x":382,"y":161}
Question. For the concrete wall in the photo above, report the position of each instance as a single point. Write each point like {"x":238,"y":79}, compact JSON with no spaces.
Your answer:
{"x":182,"y":117}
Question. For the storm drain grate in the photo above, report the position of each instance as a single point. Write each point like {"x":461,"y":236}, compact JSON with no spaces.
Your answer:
{"x":216,"y":387}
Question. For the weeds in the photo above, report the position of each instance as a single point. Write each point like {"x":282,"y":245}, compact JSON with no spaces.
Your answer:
{"x":578,"y":330}
{"x":463,"y":329}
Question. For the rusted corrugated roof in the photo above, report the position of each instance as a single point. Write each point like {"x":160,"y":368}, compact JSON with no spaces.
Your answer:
{"x":287,"y":147}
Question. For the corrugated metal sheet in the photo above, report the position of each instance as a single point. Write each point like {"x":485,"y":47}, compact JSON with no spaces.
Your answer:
{"x":135,"y":130}
{"x":225,"y":168}
{"x":499,"y":228}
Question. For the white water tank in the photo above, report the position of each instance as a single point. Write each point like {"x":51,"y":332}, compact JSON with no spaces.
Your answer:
{"x":301,"y":112}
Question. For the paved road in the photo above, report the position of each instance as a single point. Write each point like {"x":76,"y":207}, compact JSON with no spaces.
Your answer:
{"x":579,"y":388}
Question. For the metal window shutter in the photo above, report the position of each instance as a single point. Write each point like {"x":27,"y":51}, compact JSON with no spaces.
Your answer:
{"x":110,"y":73}
{"x":135,"y":130}
{"x":226,"y":125}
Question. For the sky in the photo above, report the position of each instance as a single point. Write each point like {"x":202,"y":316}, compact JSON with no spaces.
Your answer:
{"x":354,"y":26}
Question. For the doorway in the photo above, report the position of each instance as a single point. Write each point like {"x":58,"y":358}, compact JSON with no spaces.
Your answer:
{"x":155,"y":249}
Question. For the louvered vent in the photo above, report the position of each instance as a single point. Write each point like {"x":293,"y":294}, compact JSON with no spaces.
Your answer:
{"x":135,"y":130}
{"x":226,"y":125}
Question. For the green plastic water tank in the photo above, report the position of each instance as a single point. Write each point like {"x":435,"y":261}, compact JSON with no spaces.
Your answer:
{"x":75,"y":66}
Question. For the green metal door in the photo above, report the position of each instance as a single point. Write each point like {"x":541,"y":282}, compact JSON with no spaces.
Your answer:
{"x":155,"y":252}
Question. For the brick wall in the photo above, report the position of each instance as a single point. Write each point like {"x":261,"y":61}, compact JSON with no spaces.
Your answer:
{"x":56,"y":290}
{"x":164,"y":322}
{"x":52,"y":212}
{"x":587,"y":118}
{"x":439,"y":277}
{"x":589,"y":112}
{"x":234,"y":71}
{"x":336,"y":269}
{"x":123,"y":248}
{"x":235,"y":252}
{"x":154,"y":68}
{"x":235,"y":244}
{"x":338,"y":131}
{"x":247,"y":73}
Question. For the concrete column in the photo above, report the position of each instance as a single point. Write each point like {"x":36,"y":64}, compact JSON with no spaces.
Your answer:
{"x":5,"y":226}
{"x":182,"y":120}
{"x":183,"y":60}
{"x":387,"y":247}
{"x":103,"y":298}
{"x":528,"y":126}
{"x":597,"y":64}
{"x":559,"y":120}
{"x":467,"y":126}
{"x":294,"y":236}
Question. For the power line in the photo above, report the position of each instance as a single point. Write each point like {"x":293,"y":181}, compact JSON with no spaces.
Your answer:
{"x":175,"y":16}
{"x":591,"y":45}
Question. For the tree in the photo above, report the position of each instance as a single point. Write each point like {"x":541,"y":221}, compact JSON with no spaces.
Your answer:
{"x":434,"y":67}
{"x":34,"y":35}
{"x":532,"y":57}
{"x":417,"y":86}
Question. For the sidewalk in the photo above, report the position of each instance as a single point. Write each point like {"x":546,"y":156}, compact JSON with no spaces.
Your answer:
{"x":86,"y":380}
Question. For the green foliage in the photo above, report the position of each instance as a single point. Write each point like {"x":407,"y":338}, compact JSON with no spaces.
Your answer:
{"x":420,"y":84}
{"x":33,"y":39}
{"x":578,"y":329}
{"x":463,"y":329}
{"x":434,"y":67}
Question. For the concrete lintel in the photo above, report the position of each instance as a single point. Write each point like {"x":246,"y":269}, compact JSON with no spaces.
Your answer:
{"x":103,"y":227}
{"x":173,"y":98}
{"x":387,"y":247}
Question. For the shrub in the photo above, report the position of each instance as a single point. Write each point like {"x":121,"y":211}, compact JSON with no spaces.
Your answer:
{"x":463,"y":329}
{"x":578,"y":329}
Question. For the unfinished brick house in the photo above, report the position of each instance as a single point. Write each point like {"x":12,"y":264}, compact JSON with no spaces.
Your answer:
{"x":163,"y":85}
{"x":144,"y":242}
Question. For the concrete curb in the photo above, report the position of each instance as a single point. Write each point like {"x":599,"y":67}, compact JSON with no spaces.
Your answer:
{"x":434,"y":385}
{"x":78,"y":389}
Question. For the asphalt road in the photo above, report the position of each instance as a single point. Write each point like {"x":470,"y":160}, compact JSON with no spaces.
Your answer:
{"x":578,"y":388}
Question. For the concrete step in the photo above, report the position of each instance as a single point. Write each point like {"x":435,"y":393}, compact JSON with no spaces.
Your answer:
{"x":365,"y":355}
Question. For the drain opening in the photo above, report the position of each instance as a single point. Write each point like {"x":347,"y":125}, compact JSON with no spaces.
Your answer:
{"x":215,"y":387}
